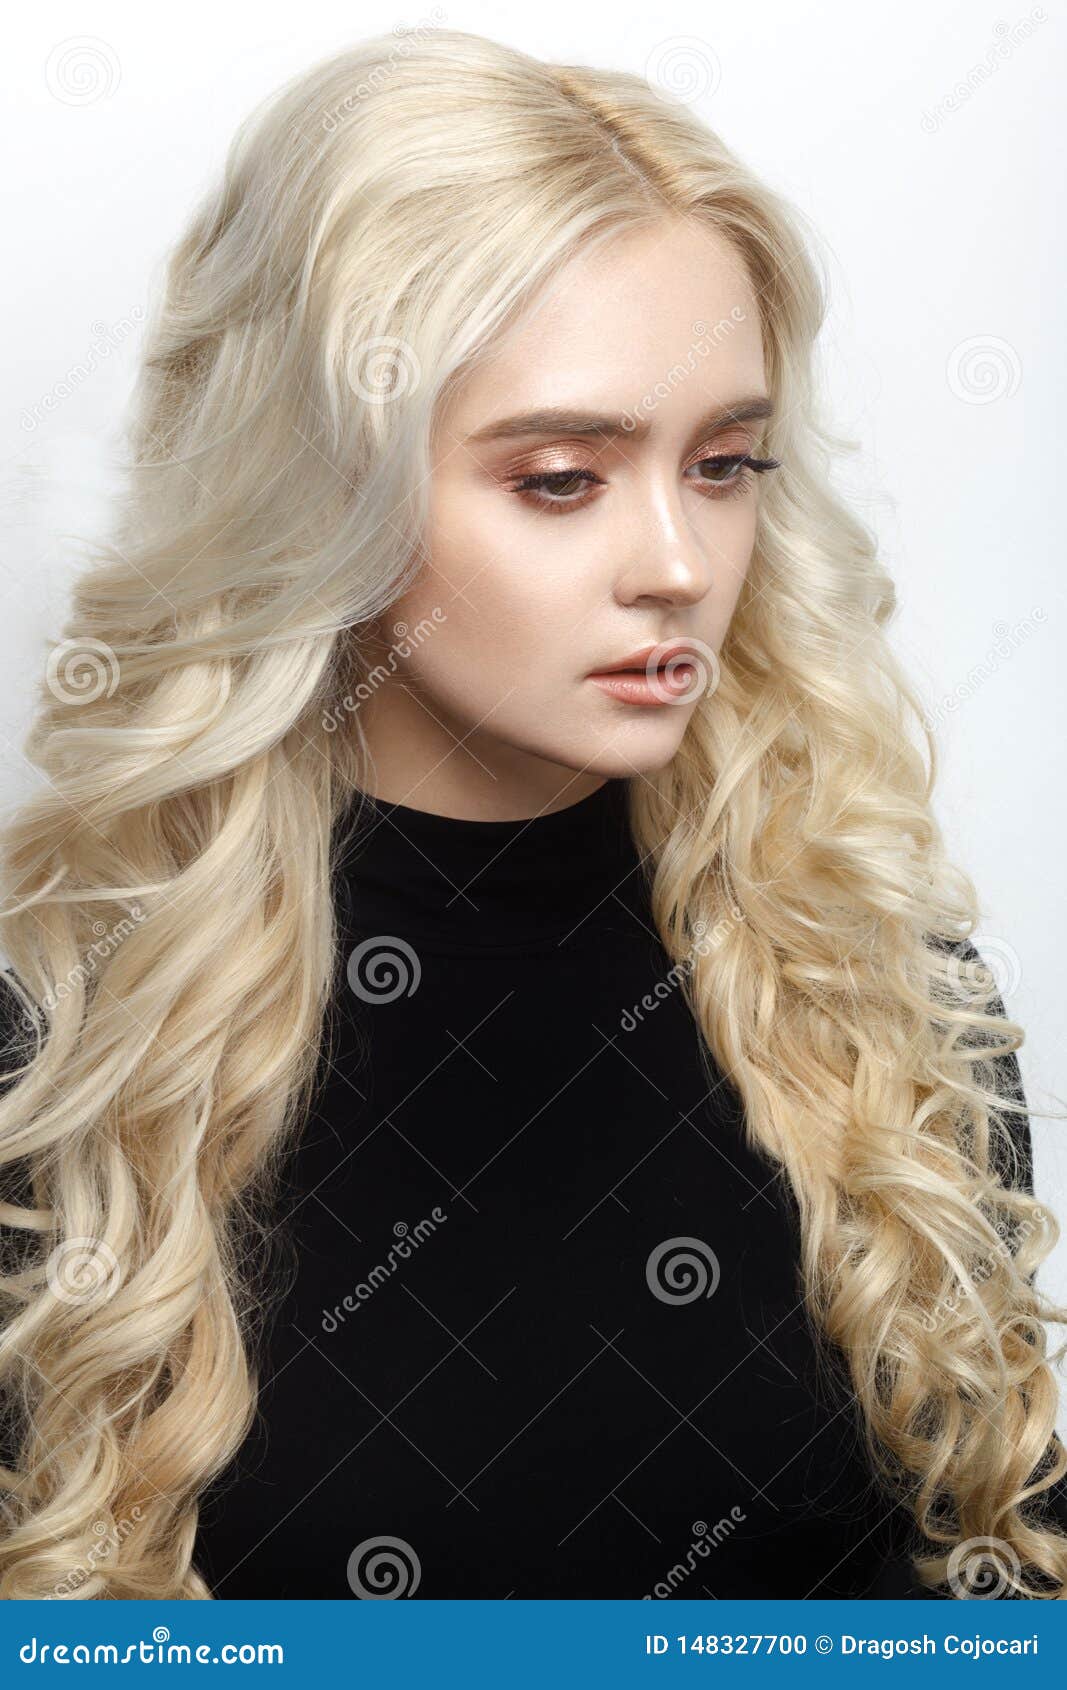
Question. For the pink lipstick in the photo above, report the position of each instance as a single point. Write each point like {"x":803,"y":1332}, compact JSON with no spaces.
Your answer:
{"x":656,"y":674}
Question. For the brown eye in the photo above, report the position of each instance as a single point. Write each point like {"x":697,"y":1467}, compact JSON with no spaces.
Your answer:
{"x":731,"y":472}
{"x":561,"y":484}
{"x":722,"y":469}
{"x":558,"y":490}
{"x":562,"y":490}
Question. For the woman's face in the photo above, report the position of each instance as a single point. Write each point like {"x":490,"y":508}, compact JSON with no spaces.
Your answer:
{"x":561,"y":545}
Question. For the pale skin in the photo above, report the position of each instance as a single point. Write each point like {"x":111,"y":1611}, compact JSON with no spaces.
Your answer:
{"x":644,"y":535}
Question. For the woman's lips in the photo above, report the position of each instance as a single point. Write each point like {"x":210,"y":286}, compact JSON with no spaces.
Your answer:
{"x":634,"y":686}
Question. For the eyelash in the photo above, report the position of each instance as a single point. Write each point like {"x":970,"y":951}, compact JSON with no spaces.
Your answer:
{"x":532,"y":487}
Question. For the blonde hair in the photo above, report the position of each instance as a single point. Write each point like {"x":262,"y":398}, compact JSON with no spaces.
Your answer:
{"x":380,"y":221}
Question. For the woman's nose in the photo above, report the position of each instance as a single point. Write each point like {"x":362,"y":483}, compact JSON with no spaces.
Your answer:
{"x":666,"y":557}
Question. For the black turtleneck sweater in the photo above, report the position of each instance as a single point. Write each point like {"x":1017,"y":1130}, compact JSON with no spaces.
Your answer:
{"x":543,"y":1331}
{"x":546,"y":1335}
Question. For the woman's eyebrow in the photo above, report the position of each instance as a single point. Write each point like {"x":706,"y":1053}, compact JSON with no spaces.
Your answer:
{"x":558,"y":420}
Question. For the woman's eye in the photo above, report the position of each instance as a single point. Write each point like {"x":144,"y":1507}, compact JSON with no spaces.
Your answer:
{"x":732,"y":473}
{"x":722,"y":469}
{"x":558,"y":489}
{"x":569,"y":489}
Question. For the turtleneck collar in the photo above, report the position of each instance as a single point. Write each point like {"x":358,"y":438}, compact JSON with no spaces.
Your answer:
{"x":487,"y":883}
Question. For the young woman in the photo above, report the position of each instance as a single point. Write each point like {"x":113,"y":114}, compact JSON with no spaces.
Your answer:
{"x":501,"y":1097}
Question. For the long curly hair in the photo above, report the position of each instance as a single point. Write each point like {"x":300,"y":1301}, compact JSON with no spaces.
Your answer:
{"x":171,"y":923}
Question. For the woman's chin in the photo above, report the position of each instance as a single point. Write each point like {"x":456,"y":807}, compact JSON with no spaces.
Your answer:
{"x":630,"y":748}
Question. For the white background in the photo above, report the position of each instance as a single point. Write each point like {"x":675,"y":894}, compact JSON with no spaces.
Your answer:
{"x":920,"y":141}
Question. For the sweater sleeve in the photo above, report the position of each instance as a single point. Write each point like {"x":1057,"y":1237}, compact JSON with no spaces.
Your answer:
{"x":21,"y":1029}
{"x":1049,"y":1507}
{"x":1016,"y":1167}
{"x":14,"y":1027}
{"x":18,"y":1040}
{"x":1017,"y":1172}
